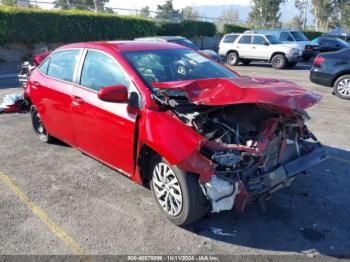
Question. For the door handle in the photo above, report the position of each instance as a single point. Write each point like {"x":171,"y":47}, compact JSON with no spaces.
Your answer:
{"x":253,"y":47}
{"x":36,"y":84}
{"x":77,"y":100}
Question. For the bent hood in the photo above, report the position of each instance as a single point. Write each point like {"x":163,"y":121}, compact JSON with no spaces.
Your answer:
{"x":222,"y":91}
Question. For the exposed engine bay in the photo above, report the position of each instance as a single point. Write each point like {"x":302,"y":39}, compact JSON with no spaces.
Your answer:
{"x":249,"y":146}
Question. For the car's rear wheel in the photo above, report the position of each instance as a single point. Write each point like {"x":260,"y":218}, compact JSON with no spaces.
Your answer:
{"x":177,"y":194}
{"x":279,"y":61}
{"x":38,"y":126}
{"x":342,"y":87}
{"x":232,"y":58}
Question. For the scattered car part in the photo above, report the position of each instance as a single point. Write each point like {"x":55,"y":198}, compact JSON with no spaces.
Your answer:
{"x":12,"y":103}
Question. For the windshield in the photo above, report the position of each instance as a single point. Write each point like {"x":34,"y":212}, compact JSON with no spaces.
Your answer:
{"x":298,"y":36}
{"x":185,"y":42}
{"x":175,"y":65}
{"x":273,"y":39}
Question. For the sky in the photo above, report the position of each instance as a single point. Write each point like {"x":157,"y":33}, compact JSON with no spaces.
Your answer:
{"x":178,"y":4}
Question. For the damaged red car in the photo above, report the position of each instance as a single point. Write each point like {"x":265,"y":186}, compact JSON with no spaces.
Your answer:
{"x":202,"y":137}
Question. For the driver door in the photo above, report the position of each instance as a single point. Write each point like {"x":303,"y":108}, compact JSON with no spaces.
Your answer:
{"x":104,"y":130}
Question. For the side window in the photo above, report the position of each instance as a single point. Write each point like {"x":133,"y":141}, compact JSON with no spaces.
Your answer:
{"x":230,"y":39}
{"x":44,"y":66}
{"x":246,"y":39}
{"x":62,"y":64}
{"x":285,"y":36}
{"x":258,"y":40}
{"x":100,"y":70}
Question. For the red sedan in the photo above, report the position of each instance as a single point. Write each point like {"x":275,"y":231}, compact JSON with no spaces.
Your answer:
{"x":199,"y":135}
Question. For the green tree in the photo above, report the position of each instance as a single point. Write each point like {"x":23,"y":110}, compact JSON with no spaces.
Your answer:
{"x":190,"y":13}
{"x":9,"y":2}
{"x":97,"y":5}
{"x":296,"y":22}
{"x":322,"y":10}
{"x":229,"y":16}
{"x":344,"y":13}
{"x":265,"y":13}
{"x":145,"y":12}
{"x":167,"y":11}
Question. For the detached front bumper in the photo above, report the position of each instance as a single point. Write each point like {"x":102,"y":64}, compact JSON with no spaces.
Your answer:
{"x":284,"y":175}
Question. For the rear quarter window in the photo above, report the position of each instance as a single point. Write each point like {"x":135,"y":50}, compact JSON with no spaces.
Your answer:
{"x":44,"y":66}
{"x":62,"y":64}
{"x":229,"y":38}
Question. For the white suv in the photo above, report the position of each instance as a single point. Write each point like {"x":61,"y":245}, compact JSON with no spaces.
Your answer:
{"x":248,"y":47}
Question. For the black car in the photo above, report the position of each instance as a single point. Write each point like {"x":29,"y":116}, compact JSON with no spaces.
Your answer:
{"x":328,"y":44}
{"x":333,"y":70}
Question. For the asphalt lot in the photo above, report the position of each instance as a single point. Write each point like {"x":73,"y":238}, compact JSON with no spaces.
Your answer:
{"x":106,"y":213}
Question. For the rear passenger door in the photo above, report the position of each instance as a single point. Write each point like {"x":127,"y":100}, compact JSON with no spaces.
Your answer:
{"x":51,"y":93}
{"x":245,"y":46}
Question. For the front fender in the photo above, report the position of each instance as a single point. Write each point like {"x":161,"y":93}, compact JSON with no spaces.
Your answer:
{"x":168,"y":136}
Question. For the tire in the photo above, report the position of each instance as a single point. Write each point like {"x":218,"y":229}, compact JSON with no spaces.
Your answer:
{"x":232,"y":58}
{"x":342,"y":87}
{"x":291,"y":64}
{"x":38,"y":126}
{"x":245,"y":62}
{"x":191,"y":204}
{"x":279,"y":61}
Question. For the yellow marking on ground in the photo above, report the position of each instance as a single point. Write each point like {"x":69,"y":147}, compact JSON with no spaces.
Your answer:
{"x":59,"y":232}
{"x":340,"y":159}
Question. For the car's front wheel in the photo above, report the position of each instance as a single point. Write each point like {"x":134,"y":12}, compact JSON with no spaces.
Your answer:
{"x":38,"y":126}
{"x":232,"y":58}
{"x":342,"y":87}
{"x":177,"y":194}
{"x":279,"y":61}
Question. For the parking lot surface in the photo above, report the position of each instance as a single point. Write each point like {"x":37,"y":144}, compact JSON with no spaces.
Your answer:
{"x":105,"y":213}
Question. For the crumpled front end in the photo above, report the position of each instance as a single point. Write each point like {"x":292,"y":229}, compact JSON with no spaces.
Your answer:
{"x":248,"y":150}
{"x":254,"y":150}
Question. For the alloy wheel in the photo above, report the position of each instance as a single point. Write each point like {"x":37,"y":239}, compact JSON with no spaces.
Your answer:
{"x":167,"y":189}
{"x":231,"y":59}
{"x":344,"y":87}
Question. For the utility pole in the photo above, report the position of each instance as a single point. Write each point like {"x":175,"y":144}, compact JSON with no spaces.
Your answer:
{"x":305,"y":14}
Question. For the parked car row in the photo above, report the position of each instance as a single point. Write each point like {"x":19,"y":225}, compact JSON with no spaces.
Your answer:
{"x":333,"y":70}
{"x":258,"y":47}
{"x":296,"y":39}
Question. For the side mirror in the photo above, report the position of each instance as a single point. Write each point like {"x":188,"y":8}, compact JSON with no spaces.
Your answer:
{"x":266,"y":43}
{"x":116,"y":94}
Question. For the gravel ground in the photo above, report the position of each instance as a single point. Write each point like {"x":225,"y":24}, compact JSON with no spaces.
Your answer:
{"x":107,"y":214}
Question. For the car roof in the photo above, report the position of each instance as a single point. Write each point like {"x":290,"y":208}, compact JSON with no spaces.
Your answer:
{"x":165,"y":38}
{"x":124,"y":46}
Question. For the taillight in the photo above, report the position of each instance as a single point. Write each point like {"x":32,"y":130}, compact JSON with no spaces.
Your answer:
{"x":319,"y":60}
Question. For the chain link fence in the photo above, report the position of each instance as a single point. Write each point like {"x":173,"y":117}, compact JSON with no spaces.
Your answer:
{"x":173,"y":17}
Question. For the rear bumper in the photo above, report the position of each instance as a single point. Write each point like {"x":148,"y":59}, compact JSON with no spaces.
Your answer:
{"x":321,"y":78}
{"x":284,"y":175}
